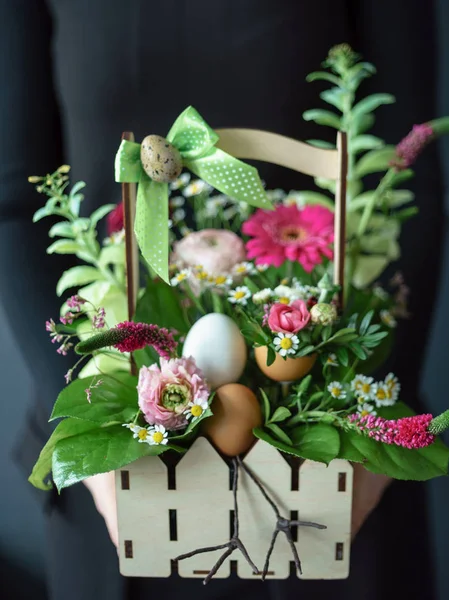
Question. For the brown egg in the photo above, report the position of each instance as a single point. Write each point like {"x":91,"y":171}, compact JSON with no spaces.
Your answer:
{"x":236,"y":412}
{"x":289,"y":369}
{"x":160,"y":160}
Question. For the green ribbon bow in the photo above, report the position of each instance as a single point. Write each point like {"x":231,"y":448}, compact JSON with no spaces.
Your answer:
{"x":195,"y":140}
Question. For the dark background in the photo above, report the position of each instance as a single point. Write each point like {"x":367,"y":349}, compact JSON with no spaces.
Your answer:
{"x":22,"y":559}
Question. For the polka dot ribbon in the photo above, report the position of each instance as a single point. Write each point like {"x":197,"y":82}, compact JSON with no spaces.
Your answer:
{"x":195,"y":140}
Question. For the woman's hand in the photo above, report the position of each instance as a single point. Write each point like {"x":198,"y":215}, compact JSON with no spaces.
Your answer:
{"x":368,"y":490}
{"x":102,"y":488}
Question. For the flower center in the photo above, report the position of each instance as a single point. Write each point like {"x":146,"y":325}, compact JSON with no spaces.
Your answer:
{"x":220,"y":279}
{"x":284,"y":300}
{"x":175,"y":397}
{"x":292,"y":234}
{"x":380,"y":394}
{"x":143,"y":434}
{"x":239,"y":295}
{"x":286,"y":343}
{"x":158,"y":437}
{"x":336,"y":392}
{"x":196,"y":410}
{"x":365,"y":388}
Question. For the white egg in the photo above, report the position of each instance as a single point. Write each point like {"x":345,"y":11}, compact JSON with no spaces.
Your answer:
{"x":218,"y":347}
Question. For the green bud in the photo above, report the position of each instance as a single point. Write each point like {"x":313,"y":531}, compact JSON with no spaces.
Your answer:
{"x":101,"y":340}
{"x":323,"y":314}
{"x":439,"y":424}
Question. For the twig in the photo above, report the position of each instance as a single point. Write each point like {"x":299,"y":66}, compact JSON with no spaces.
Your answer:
{"x":282,"y":525}
{"x":233,"y":544}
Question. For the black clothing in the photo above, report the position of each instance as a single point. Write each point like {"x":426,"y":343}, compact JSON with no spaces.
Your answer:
{"x":73,"y":76}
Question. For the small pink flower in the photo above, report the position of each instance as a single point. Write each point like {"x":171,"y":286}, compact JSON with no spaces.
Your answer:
{"x":115,"y":220}
{"x":408,"y":150}
{"x":408,"y":432}
{"x":301,"y":235}
{"x":165,"y":392}
{"x":288,"y":319}
{"x":216,"y":250}
{"x":75,"y":302}
{"x":98,"y":321}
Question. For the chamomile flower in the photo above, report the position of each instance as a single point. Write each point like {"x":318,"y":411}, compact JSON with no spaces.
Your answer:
{"x":130,"y":426}
{"x":331,"y":360}
{"x":180,"y":277}
{"x":201,"y":275}
{"x":392,"y":383}
{"x":362,"y":387}
{"x":177,"y":201}
{"x":178,"y":215}
{"x":286,"y":343}
{"x":196,"y":187}
{"x":381,"y":395}
{"x":336,"y":390}
{"x":243,"y":268}
{"x":262,"y":296}
{"x":181,"y":182}
{"x":262,"y":268}
{"x":285,"y":294}
{"x":366,"y":409}
{"x":157,"y":435}
{"x":221,"y":281}
{"x":240,"y":295}
{"x":196,"y":409}
{"x":141,"y":434}
{"x":387,"y":319}
{"x":275,"y":195}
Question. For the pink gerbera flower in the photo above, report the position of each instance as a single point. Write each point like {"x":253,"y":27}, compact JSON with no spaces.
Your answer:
{"x":301,"y":235}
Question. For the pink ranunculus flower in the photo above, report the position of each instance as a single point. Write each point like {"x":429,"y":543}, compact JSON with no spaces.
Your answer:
{"x":164,"y":392}
{"x":216,"y":250}
{"x":288,"y":319}
{"x":301,"y":235}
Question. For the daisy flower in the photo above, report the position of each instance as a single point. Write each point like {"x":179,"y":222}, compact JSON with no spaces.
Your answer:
{"x":178,"y":215}
{"x":196,"y":187}
{"x":366,"y":409}
{"x":336,"y":390}
{"x":285,"y":294}
{"x":331,"y":360}
{"x":220,"y":281}
{"x":262,"y":268}
{"x":262,"y":296}
{"x":387,"y":319}
{"x":177,"y":201}
{"x":141,"y":434}
{"x":157,"y":435}
{"x":381,"y":395}
{"x":243,"y":268}
{"x":240,"y":295}
{"x":392,"y":383}
{"x":362,"y":386}
{"x":180,"y":277}
{"x":196,"y":408}
{"x":181,"y":182}
{"x":286,"y":343}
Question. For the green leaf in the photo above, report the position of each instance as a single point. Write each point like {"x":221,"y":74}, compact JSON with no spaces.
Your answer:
{"x":358,"y":350}
{"x":266,"y":407}
{"x":321,"y":144}
{"x":305,"y":384}
{"x":401,"y":177}
{"x":271,"y":356}
{"x":368,"y":269}
{"x":334,"y":96}
{"x":279,"y":433}
{"x":322,"y":117}
{"x":61,"y":229}
{"x":326,"y":184}
{"x":395,"y":461}
{"x":312,"y":198}
{"x":42,"y":468}
{"x":362,"y":123}
{"x":344,"y":332}
{"x":287,"y":447}
{"x":75,"y":198}
{"x":64,"y":247}
{"x":342,"y":355}
{"x":366,"y":322}
{"x":370,"y":103}
{"x":112,"y":255}
{"x":374,"y":161}
{"x":306,"y":350}
{"x":406,"y":213}
{"x":317,"y":442}
{"x":187,"y":433}
{"x":160,"y":304}
{"x":115,"y":400}
{"x":101,"y":212}
{"x":360,"y":143}
{"x":41,"y":213}
{"x":395,"y":198}
{"x":76,"y":277}
{"x":98,"y":451}
{"x":323,"y":76}
{"x":280,"y":414}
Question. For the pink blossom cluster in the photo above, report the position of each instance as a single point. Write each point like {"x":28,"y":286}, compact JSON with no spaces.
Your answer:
{"x":408,"y":432}
{"x":408,"y":150}
{"x":139,"y":335}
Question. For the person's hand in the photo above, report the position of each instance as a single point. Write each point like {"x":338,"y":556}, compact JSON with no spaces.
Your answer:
{"x":368,"y":489}
{"x":102,"y":488}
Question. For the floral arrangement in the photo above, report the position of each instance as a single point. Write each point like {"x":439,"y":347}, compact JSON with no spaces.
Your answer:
{"x":250,"y":338}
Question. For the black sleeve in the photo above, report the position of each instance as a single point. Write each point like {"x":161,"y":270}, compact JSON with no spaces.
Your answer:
{"x":30,"y":144}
